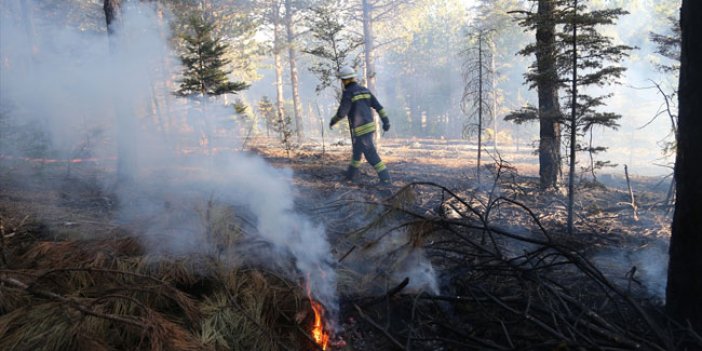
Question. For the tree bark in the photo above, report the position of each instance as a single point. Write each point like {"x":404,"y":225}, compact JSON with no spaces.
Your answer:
{"x":480,"y":102}
{"x":684,"y":290}
{"x":28,"y":23}
{"x":294,"y":81}
{"x":368,"y":42}
{"x":279,"y":102}
{"x":112,"y":12}
{"x":573,"y":123}
{"x":549,"y":107}
{"x":125,"y":120}
{"x":493,"y":88}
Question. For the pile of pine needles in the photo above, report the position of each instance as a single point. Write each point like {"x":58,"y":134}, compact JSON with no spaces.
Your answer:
{"x":110,"y":294}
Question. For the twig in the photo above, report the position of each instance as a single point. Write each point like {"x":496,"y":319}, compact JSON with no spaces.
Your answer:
{"x":389,"y":294}
{"x":381,"y":329}
{"x":410,"y":328}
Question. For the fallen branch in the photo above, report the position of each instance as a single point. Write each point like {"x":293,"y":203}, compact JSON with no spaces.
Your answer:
{"x":389,"y":294}
{"x":559,"y":311}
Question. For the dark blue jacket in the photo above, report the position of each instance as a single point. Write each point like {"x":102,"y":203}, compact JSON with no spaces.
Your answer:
{"x":356,"y":103}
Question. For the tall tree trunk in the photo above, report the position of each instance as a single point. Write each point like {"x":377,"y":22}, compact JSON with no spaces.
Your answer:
{"x":279,"y":102}
{"x":125,"y":120}
{"x":28,"y":23}
{"x":684,"y":290}
{"x":480,"y":102}
{"x":164,"y":33}
{"x":368,"y":42}
{"x":573,"y":122}
{"x":493,"y":88}
{"x":549,"y":107}
{"x":294,"y":81}
{"x":112,"y":10}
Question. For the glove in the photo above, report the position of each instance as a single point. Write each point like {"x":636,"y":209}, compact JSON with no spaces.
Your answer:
{"x":386,"y":124}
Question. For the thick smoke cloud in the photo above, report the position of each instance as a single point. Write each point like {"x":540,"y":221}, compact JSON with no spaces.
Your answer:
{"x":73,"y":86}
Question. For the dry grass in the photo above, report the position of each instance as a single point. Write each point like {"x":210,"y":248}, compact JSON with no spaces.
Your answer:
{"x":109,"y":294}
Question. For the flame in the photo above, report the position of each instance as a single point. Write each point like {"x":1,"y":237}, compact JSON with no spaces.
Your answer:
{"x":319,"y":334}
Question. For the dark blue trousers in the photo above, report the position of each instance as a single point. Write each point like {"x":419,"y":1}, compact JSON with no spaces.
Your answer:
{"x":364,"y":146}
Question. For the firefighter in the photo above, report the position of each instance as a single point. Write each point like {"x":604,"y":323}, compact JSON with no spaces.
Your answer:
{"x":356,"y":103}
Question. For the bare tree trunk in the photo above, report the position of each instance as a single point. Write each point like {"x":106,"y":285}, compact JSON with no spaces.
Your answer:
{"x":112,"y":13}
{"x":368,"y":42}
{"x":549,"y":107}
{"x":493,"y":88}
{"x":573,"y":125}
{"x":28,"y":23}
{"x":165,"y":76}
{"x":125,"y":120}
{"x":480,"y":102}
{"x":279,"y":103}
{"x":684,"y":288}
{"x":297,"y":104}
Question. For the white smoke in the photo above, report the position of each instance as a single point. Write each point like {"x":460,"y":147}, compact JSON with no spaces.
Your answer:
{"x":652,"y":267}
{"x":75,"y":83}
{"x":645,"y":267}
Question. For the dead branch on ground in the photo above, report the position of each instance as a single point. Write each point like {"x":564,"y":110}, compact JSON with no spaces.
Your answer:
{"x":528,"y":284}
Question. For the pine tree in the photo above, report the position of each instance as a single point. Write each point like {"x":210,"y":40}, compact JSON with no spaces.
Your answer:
{"x":587,"y":59}
{"x":478,"y":79}
{"x":543,"y":76}
{"x":668,"y":46}
{"x":206,"y":68}
{"x":265,"y":109}
{"x":332,"y":44}
{"x":572,"y":55}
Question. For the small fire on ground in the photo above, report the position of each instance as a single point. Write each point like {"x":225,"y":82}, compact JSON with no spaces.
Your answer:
{"x":320,"y":334}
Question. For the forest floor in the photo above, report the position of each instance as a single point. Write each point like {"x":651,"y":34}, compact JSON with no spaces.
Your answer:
{"x":434,"y":262}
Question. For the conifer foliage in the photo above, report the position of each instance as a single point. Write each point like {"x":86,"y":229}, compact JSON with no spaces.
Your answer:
{"x":589,"y":59}
{"x":594,"y":58}
{"x":205,"y":67}
{"x":332,"y":44}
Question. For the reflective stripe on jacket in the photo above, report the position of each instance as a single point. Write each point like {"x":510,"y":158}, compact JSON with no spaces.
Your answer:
{"x":356,"y":103}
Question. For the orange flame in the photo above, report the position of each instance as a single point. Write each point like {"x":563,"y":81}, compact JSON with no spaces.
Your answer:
{"x":319,"y":334}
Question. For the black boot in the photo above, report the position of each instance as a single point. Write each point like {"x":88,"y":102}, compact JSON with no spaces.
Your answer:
{"x":384,"y":177}
{"x":350,"y":173}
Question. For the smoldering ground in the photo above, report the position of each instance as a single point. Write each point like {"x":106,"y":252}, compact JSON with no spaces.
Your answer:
{"x":83,"y":95}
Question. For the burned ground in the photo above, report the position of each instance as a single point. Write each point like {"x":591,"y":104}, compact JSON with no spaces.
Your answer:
{"x":435,"y":262}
